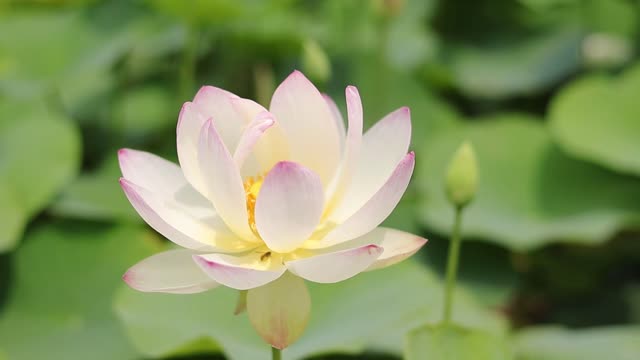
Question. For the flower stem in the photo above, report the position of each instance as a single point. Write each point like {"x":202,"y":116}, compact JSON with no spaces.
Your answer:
{"x":452,"y":265}
{"x":276,"y":354}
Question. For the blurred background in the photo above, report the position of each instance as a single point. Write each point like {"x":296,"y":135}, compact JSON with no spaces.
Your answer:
{"x":547,"y":90}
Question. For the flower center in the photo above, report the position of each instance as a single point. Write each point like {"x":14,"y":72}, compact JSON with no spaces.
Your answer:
{"x":252,"y":187}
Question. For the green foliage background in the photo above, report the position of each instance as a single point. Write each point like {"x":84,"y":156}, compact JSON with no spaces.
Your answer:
{"x":547,"y":90}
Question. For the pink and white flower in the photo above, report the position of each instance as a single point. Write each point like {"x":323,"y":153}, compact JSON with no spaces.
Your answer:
{"x":265,"y":198}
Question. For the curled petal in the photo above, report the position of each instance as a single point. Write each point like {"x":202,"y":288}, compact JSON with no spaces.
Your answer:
{"x":308,"y":124}
{"x":336,"y":266}
{"x":240,"y":272}
{"x":172,"y":271}
{"x":251,"y":135}
{"x":289,"y":206}
{"x":279,"y":311}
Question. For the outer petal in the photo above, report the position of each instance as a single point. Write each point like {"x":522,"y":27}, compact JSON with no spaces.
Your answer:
{"x":164,"y":179}
{"x":177,"y":224}
{"x":251,"y":135}
{"x":280,"y":310}
{"x":351,"y":151}
{"x":224,"y":185}
{"x":375,"y":210}
{"x":308,"y":124}
{"x":398,"y":245}
{"x":289,"y":206}
{"x":190,"y":123}
{"x":336,"y":266}
{"x":172,"y":271}
{"x":383,"y":146}
{"x":240,"y":272}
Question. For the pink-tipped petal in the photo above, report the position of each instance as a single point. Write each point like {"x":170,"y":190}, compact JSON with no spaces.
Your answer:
{"x":209,"y":102}
{"x":308,"y":124}
{"x":335,"y":266}
{"x":289,"y":206}
{"x":251,"y":135}
{"x":351,"y":151}
{"x":398,"y":245}
{"x":279,"y":311}
{"x":172,"y":271}
{"x":383,"y":146}
{"x":240,"y":272}
{"x":217,"y":104}
{"x":270,"y":148}
{"x":374,"y":211}
{"x":224,"y":185}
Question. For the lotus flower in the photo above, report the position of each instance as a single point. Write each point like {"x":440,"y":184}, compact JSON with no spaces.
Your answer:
{"x":265,"y":198}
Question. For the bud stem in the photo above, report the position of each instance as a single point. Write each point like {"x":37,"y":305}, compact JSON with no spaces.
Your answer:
{"x":452,"y":265}
{"x":276,"y":354}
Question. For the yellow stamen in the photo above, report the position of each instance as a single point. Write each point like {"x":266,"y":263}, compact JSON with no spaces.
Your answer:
{"x":252,"y":187}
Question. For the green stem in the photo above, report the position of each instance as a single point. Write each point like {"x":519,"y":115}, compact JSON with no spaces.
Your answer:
{"x":276,"y":354}
{"x":452,"y":265}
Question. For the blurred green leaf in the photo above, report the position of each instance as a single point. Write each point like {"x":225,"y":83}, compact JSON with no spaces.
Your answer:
{"x":143,"y":110}
{"x":597,"y":119}
{"x":520,"y":67}
{"x":96,"y":196}
{"x":60,"y":305}
{"x":452,"y":342}
{"x":39,"y":154}
{"x":380,"y":307}
{"x":556,"y":343}
{"x":384,"y":90}
{"x":42,"y":60}
{"x":529,"y":193}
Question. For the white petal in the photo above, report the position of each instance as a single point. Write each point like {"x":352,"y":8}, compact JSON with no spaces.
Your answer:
{"x":162,"y":178}
{"x":376,"y":210}
{"x":251,"y":135}
{"x":337,"y":116}
{"x":171,"y":271}
{"x":279,"y":311}
{"x":223,"y":184}
{"x":351,"y":151}
{"x":398,"y":245}
{"x":308,"y":125}
{"x":289,"y":206}
{"x":217,"y":104}
{"x":383,"y":146}
{"x":241,"y":272}
{"x":335,"y":266}
{"x":188,"y":229}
